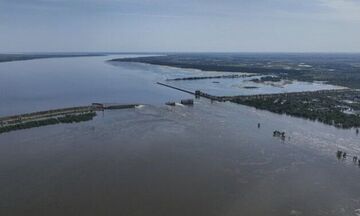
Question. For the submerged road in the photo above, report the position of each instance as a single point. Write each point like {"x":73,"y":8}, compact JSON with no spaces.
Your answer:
{"x":259,"y":96}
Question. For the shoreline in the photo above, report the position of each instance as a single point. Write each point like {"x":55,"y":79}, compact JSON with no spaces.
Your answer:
{"x":26,"y":57}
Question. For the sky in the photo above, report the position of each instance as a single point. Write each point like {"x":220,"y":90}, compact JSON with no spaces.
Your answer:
{"x":179,"y":25}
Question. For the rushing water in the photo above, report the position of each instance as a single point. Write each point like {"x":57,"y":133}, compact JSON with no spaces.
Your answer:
{"x":209,"y":159}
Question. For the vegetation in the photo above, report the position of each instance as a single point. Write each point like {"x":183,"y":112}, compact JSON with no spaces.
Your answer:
{"x":266,"y":79}
{"x":49,"y":121}
{"x":327,"y":109}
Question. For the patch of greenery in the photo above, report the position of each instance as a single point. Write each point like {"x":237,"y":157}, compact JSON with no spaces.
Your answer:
{"x":266,"y":79}
{"x":324,"y":109}
{"x":67,"y":119}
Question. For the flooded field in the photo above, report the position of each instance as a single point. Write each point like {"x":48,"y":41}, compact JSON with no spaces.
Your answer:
{"x":209,"y":159}
{"x":245,"y":86}
{"x":229,"y":86}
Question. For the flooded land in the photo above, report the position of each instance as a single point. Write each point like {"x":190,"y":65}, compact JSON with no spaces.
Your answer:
{"x":327,"y":82}
{"x":212,"y":158}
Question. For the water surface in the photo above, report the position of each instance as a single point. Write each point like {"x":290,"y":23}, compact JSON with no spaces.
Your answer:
{"x":42,"y":84}
{"x":209,"y":159}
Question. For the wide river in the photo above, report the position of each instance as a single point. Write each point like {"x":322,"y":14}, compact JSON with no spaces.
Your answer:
{"x":209,"y":159}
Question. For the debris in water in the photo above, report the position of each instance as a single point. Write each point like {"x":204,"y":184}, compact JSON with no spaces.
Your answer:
{"x":279,"y":134}
{"x":355,"y":158}
{"x":339,"y":154}
{"x":170,"y":103}
{"x":187,"y":102}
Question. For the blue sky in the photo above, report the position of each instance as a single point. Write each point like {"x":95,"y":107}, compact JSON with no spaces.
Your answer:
{"x":180,"y":25}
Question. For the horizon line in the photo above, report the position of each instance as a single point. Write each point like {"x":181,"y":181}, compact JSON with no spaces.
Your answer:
{"x":180,"y":52}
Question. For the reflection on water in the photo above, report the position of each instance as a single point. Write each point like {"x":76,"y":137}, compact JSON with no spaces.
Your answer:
{"x":210,"y":159}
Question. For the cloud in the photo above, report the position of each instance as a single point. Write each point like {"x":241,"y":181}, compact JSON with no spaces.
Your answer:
{"x":343,"y":9}
{"x":202,"y":25}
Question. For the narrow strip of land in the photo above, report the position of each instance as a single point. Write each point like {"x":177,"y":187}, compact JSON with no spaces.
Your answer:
{"x":56,"y":116}
{"x":232,"y":76}
{"x":24,"y":57}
